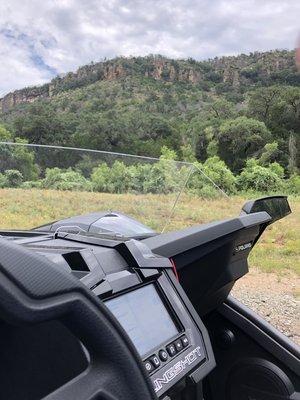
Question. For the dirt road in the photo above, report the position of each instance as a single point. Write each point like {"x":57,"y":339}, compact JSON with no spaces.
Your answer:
{"x":273,"y":296}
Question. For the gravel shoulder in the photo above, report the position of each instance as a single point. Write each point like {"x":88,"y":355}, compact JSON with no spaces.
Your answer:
{"x":275,"y":297}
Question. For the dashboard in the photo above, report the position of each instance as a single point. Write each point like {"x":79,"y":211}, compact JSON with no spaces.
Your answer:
{"x":148,"y":302}
{"x":138,"y":282}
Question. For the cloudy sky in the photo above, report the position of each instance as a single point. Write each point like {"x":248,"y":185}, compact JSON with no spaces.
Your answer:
{"x":42,"y":38}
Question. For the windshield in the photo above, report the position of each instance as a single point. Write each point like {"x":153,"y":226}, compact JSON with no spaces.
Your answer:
{"x":52,"y":188}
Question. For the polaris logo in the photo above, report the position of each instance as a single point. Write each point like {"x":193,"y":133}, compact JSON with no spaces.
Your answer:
{"x":243,"y":247}
{"x":177,"y":368}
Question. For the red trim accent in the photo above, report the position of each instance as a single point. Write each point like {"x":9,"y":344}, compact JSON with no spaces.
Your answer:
{"x":174,"y":269}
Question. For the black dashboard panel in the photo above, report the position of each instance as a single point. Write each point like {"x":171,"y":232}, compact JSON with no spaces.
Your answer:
{"x":166,"y":328}
{"x":107,"y":268}
{"x":180,"y":345}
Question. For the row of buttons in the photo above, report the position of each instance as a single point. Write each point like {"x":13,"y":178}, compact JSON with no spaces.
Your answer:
{"x":172,"y":349}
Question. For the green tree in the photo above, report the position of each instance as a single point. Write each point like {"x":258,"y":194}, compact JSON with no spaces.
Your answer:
{"x":279,"y":108}
{"x":262,"y":101}
{"x":23,"y":159}
{"x":269,"y":153}
{"x":13,"y":157}
{"x":41,"y":124}
{"x":241,"y":138}
{"x":222,"y":109}
{"x":188,"y":153}
{"x":5,"y":135}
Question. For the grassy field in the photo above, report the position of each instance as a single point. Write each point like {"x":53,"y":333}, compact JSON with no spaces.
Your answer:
{"x":278,"y":250}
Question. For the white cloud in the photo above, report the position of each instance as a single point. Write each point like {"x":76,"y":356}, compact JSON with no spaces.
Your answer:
{"x":41,"y":38}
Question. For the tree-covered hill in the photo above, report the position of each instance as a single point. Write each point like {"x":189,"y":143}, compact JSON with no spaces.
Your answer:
{"x":236,"y":108}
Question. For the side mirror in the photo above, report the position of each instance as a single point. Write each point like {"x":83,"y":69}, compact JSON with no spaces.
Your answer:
{"x":276,"y":206}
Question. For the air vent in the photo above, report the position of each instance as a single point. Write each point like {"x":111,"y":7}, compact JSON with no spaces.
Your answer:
{"x":76,"y":261}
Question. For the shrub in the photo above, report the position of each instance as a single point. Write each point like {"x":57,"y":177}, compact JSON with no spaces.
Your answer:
{"x":277,"y":169}
{"x":86,"y":165}
{"x":261,"y":179}
{"x":100,"y":178}
{"x":164,"y":175}
{"x":115,"y":179}
{"x":119,"y":178}
{"x":5,"y":135}
{"x":217,"y":171}
{"x":17,"y":157}
{"x":140,"y":174}
{"x":3,"y":181}
{"x":14,"y":178}
{"x":31,"y":185}
{"x":155,"y":180}
{"x":59,"y":179}
{"x":293,"y":184}
{"x":160,"y":177}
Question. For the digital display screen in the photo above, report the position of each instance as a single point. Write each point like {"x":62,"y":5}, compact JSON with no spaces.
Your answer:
{"x":144,"y":317}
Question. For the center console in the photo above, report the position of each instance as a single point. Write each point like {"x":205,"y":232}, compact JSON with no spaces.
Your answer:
{"x":142,"y":292}
{"x":172,"y":342}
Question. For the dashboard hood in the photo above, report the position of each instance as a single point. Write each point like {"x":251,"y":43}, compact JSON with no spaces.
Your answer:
{"x":105,"y":222}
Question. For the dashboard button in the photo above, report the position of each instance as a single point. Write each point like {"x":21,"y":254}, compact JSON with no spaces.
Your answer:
{"x":185,"y":341}
{"x":163,"y":355}
{"x":149,"y":366}
{"x":155,"y":361}
{"x":171,"y":349}
{"x":178,"y":345}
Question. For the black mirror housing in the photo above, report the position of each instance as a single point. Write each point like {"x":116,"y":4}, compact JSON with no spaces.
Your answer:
{"x":276,"y":206}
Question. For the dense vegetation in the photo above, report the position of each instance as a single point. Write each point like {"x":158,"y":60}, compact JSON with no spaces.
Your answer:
{"x":238,"y":118}
{"x":21,"y":167}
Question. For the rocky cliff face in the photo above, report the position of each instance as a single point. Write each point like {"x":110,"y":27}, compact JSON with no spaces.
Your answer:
{"x":27,"y":95}
{"x":234,"y":71}
{"x":241,"y":69}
